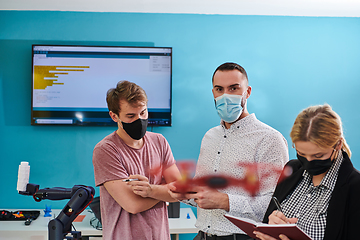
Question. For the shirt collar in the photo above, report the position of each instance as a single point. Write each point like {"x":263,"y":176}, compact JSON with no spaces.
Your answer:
{"x":241,"y":123}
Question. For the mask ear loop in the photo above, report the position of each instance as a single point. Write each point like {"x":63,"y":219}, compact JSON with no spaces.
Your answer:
{"x":337,"y":150}
{"x":244,"y":99}
{"x":120,"y":122}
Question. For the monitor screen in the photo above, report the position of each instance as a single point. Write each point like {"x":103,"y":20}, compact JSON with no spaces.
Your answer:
{"x":69,"y":83}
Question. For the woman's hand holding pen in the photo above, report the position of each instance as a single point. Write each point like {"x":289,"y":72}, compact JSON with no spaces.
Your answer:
{"x":278,"y":217}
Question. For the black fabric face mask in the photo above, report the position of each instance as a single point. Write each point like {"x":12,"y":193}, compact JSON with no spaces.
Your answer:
{"x":136,"y":129}
{"x":315,"y":167}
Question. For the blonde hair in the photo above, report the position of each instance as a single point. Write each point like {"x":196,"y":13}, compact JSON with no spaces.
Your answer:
{"x":319,"y":125}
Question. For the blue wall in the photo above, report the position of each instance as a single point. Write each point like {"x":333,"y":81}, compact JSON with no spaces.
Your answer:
{"x":292,"y":62}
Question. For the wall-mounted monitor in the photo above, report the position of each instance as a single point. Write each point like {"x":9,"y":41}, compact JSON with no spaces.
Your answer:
{"x":69,"y":83}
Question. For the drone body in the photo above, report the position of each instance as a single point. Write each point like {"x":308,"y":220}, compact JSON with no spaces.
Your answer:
{"x":250,"y":182}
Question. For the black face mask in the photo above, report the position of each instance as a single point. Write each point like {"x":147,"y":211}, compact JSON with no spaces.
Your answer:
{"x":315,"y":167}
{"x":136,"y":129}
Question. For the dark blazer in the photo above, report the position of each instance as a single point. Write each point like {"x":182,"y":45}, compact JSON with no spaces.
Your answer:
{"x":343,"y":216}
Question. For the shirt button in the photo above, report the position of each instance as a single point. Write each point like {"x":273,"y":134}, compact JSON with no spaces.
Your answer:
{"x":218,"y":152}
{"x":224,"y":136}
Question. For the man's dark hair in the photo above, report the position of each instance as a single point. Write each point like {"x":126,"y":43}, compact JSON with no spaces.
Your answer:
{"x":228,"y":66}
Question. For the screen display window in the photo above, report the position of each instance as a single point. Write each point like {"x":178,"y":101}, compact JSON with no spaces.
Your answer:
{"x":70,"y":82}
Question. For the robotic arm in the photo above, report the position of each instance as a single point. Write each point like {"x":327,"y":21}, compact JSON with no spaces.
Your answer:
{"x":80,"y":197}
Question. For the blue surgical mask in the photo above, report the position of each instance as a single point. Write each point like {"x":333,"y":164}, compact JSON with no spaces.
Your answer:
{"x":229,"y":107}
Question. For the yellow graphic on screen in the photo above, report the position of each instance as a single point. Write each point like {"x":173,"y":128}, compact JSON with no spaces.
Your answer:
{"x":42,"y":72}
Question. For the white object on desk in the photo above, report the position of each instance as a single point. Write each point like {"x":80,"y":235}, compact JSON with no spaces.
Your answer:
{"x":38,"y":229}
{"x":23,"y":176}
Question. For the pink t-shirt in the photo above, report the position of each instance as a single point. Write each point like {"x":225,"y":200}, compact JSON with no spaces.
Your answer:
{"x":113,"y":160}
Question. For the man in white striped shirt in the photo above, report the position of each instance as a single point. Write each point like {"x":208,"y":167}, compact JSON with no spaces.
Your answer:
{"x":240,"y":138}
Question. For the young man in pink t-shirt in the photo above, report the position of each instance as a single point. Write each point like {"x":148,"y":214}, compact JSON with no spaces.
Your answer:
{"x":133,"y":209}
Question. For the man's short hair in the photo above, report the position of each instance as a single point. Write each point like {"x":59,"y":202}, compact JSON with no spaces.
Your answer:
{"x":228,"y":66}
{"x":127,"y":91}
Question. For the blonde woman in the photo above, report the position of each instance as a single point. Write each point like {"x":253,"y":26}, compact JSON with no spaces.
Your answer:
{"x":322,"y":194}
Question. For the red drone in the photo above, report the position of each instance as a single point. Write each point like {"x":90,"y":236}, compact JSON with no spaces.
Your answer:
{"x":250,"y":182}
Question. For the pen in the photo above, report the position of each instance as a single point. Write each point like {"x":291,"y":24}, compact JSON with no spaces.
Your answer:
{"x":277,"y":203}
{"x":131,"y":179}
